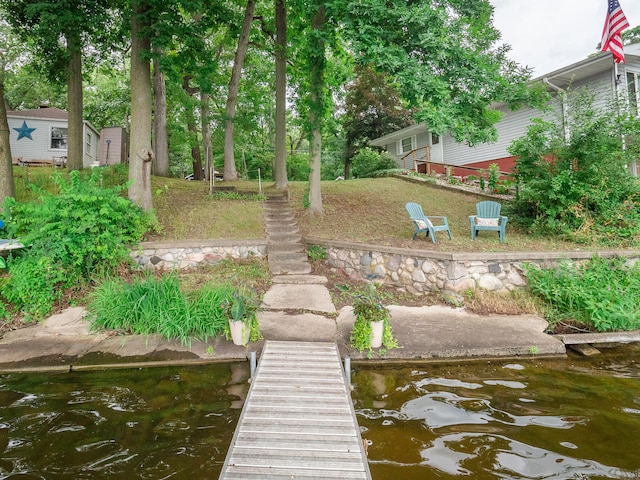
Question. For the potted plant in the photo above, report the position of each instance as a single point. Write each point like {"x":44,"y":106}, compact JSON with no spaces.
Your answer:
{"x":241,"y":309}
{"x":371,"y":328}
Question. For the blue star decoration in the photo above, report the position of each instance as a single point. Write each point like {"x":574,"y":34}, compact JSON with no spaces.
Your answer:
{"x":24,"y":131}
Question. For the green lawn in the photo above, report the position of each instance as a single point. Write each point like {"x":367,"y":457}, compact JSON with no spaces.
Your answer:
{"x":372,"y":211}
{"x":364,"y":211}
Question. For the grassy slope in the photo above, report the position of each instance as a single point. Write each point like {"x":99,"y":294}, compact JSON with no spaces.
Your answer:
{"x":365,"y":211}
{"x":372,"y":211}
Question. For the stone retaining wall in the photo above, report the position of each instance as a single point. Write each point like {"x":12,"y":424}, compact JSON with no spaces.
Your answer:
{"x":421,"y":271}
{"x":417,"y":271}
{"x":171,"y":255}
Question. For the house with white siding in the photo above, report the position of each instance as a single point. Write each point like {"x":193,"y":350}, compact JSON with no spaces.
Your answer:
{"x":39,"y":136}
{"x":416,"y":148}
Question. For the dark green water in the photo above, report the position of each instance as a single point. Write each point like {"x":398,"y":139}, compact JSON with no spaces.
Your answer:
{"x":568,"y":419}
{"x":564,"y":419}
{"x":155,"y":423}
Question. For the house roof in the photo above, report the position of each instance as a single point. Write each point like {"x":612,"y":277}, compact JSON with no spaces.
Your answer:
{"x":45,"y":113}
{"x":561,"y":78}
{"x":593,"y":65}
{"x":42,"y":112}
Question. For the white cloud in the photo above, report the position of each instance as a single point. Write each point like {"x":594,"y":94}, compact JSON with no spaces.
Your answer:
{"x":550,"y":34}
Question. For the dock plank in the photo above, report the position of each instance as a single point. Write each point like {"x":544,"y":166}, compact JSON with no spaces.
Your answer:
{"x":298,"y":420}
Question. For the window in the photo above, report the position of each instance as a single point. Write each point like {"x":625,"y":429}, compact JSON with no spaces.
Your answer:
{"x":632,"y":91}
{"x":406,"y":144}
{"x":435,"y":139}
{"x":58,"y":138}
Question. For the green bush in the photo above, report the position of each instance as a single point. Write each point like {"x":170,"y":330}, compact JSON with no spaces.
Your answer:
{"x":602,"y":294}
{"x":579,"y":187}
{"x":84,"y":230}
{"x":152,"y":305}
{"x":367,"y":162}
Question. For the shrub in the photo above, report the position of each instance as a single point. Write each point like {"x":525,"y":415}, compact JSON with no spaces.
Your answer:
{"x":317,"y":253}
{"x":86,"y":229}
{"x":601,"y":294}
{"x":579,"y":187}
{"x":367,"y":162}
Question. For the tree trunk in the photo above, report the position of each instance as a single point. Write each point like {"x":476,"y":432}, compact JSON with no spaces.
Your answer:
{"x":75,"y":122}
{"x":348,"y":151}
{"x":317,"y":60}
{"x":7,"y":185}
{"x":230,"y":172}
{"x":160,"y":139}
{"x":141,"y":154}
{"x":193,"y":130}
{"x":315,"y":154}
{"x":205,"y":118}
{"x":280,"y":167}
{"x":196,"y":157}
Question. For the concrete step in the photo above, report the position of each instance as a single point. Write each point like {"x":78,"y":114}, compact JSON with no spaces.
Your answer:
{"x":277,"y":206}
{"x":299,"y":279}
{"x":286,"y":257}
{"x":275,"y":238}
{"x":283,"y":222}
{"x":313,"y":297}
{"x":280,"y":216}
{"x":281,"y":229}
{"x":295,"y":268}
{"x":282,"y":247}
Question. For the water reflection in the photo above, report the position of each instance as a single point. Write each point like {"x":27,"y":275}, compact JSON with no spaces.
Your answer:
{"x":567,"y":419}
{"x":120,"y":424}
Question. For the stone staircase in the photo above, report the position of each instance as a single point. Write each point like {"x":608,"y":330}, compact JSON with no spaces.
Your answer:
{"x":298,"y":306}
{"x":285,"y":250}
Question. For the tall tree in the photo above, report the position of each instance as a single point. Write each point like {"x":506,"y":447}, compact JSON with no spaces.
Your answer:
{"x":59,"y":31}
{"x":280,"y":169}
{"x":193,"y":128}
{"x":8,"y":57}
{"x":207,"y":145}
{"x":445,"y":59}
{"x":141,"y":154}
{"x":230,"y":172}
{"x":372,"y":108}
{"x":317,"y":61}
{"x":160,"y":137}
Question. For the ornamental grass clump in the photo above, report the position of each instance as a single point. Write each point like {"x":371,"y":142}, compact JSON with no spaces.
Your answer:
{"x":151,"y":305}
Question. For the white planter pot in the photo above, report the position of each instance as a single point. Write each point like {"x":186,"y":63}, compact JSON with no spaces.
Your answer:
{"x":240,"y":332}
{"x":377,"y":329}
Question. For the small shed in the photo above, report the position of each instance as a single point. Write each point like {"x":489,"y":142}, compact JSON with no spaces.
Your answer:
{"x":114,"y":146}
{"x":39,"y":137}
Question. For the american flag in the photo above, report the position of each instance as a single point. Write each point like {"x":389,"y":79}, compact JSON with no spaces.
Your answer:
{"x":613,"y":26}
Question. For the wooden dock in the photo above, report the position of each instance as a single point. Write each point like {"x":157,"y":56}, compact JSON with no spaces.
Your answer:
{"x":298,"y":420}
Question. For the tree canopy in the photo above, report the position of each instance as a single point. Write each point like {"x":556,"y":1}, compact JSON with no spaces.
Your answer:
{"x":355,"y":70}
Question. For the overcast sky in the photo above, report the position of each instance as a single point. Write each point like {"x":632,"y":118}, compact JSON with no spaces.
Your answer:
{"x":550,"y":34}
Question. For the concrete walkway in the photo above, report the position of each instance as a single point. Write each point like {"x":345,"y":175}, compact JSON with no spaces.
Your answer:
{"x":303,"y":313}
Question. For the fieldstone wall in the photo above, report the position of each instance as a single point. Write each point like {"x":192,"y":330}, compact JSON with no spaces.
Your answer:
{"x":420,"y":271}
{"x":180,"y":255}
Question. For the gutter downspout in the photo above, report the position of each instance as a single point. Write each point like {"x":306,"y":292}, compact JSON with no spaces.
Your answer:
{"x":564,"y":106}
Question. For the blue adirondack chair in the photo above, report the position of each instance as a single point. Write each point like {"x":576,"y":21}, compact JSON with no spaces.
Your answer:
{"x":488,"y":218}
{"x":423,"y":223}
